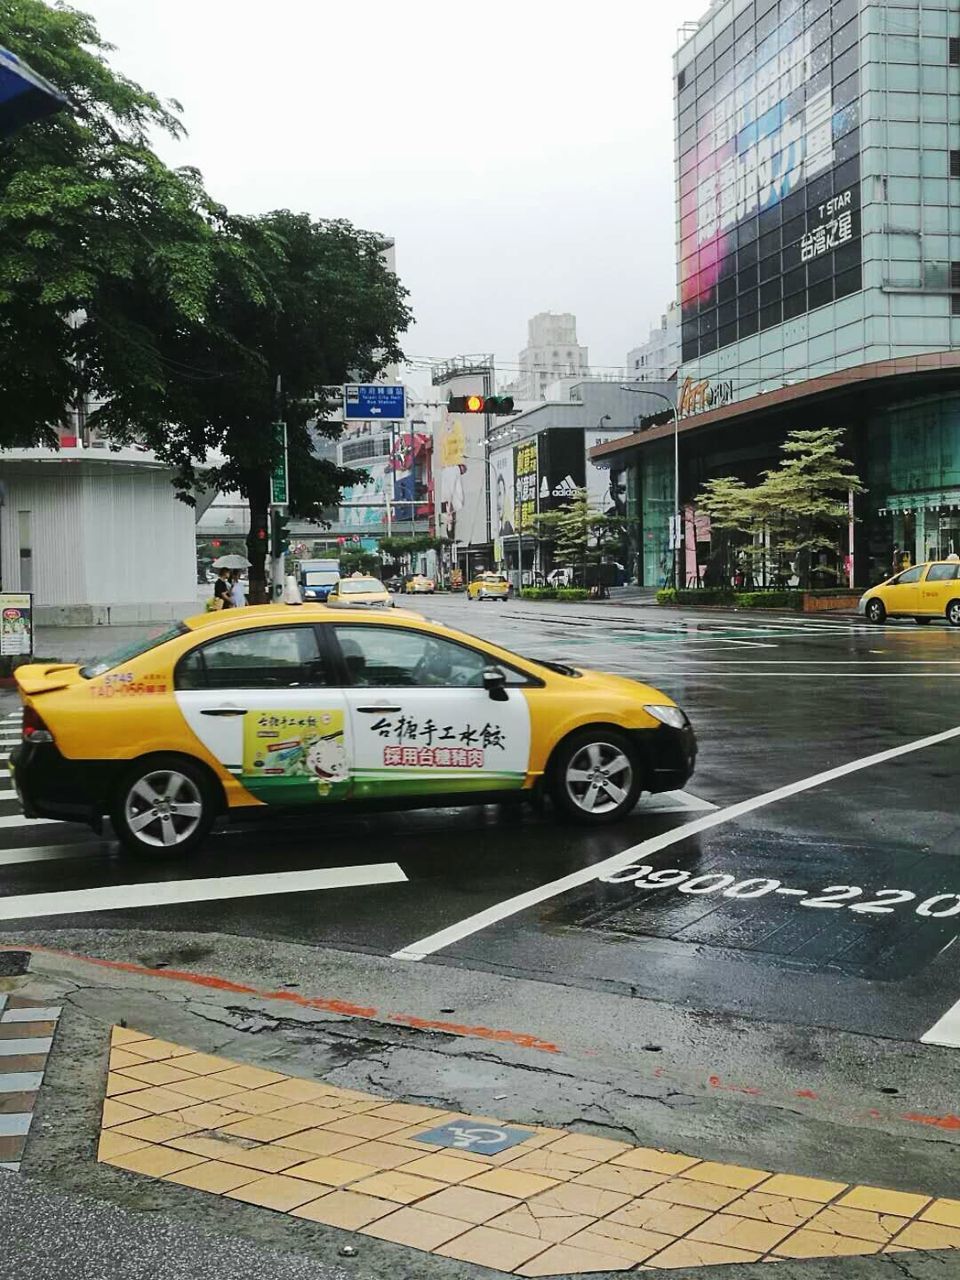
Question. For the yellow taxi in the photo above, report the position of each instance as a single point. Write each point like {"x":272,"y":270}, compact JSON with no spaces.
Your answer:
{"x":419,"y":585}
{"x":488,"y":586}
{"x":280,"y":706}
{"x":924,"y":592}
{"x":356,"y":591}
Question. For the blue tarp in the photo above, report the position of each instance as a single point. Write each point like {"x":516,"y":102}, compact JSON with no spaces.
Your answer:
{"x":24,"y":96}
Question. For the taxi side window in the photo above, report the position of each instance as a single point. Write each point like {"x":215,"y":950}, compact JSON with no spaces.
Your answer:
{"x":942,"y":572}
{"x":275,"y":658}
{"x":911,"y":575}
{"x":388,"y":657}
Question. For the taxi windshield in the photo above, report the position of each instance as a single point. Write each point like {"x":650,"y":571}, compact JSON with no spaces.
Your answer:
{"x":353,"y":586}
{"x":130,"y":651}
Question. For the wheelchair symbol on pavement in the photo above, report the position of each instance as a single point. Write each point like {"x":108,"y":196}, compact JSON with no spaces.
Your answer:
{"x":486,"y":1139}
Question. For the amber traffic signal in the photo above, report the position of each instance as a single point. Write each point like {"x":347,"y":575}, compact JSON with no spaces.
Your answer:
{"x":497,"y":405}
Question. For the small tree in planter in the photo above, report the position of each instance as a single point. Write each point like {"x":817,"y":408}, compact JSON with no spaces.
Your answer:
{"x":581,"y":534}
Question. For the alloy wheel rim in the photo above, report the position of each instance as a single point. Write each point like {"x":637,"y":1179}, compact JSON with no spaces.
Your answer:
{"x":599,"y":777}
{"x":163,"y":808}
{"x":955,"y":614}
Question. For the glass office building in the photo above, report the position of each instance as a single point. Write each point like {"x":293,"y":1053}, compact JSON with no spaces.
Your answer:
{"x":818,"y":258}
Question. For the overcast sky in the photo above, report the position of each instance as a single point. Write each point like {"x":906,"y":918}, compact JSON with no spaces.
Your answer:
{"x":519,"y":152}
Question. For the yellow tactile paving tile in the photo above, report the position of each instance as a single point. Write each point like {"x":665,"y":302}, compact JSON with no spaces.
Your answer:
{"x":555,"y":1203}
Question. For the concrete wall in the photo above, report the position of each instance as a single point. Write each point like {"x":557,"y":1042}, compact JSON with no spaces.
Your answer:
{"x":109,"y":543}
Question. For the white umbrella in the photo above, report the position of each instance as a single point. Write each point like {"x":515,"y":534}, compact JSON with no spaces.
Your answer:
{"x":231,"y":562}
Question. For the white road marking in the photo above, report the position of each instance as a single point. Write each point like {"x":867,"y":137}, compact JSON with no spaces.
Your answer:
{"x":523,"y":901}
{"x":946,"y":1030}
{"x":52,"y":853}
{"x":801,"y":893}
{"x":18,"y":820}
{"x":170,"y":892}
{"x":674,"y":802}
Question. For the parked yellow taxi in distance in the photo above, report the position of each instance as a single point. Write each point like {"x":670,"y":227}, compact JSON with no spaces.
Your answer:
{"x":358,"y":591}
{"x":419,"y":585}
{"x":926,"y":591}
{"x":280,"y":705}
{"x":488,"y":586}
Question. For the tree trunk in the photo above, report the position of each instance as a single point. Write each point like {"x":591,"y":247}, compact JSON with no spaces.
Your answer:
{"x":257,"y":546}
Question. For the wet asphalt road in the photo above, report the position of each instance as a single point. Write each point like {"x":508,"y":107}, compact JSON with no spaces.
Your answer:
{"x":834,"y":908}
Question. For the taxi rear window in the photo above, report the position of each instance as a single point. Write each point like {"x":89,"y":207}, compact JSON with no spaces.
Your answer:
{"x":942,"y":572}
{"x":130,"y":651}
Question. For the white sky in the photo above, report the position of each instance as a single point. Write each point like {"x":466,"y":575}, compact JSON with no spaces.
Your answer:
{"x":519,"y":152}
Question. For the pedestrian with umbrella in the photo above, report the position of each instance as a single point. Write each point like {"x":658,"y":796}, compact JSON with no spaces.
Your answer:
{"x":223,"y":587}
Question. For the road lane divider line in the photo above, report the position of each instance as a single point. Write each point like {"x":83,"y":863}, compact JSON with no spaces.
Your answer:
{"x":533,"y":897}
{"x":167,"y":893}
{"x":54,"y":853}
{"x":18,"y":821}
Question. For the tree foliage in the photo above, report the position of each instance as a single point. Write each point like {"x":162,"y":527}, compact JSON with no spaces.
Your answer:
{"x":91,"y":221}
{"x":121,"y":280}
{"x":795,"y":512}
{"x":327,"y":310}
{"x":581,"y":534}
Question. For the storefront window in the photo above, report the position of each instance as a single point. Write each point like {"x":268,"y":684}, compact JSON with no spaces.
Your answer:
{"x":913,"y":480}
{"x":656,"y":507}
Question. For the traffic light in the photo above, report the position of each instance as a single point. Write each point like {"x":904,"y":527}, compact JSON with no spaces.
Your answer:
{"x":497,"y":405}
{"x":279,"y":534}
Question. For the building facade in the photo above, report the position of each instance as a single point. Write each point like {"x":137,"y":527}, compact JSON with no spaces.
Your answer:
{"x":97,"y":535}
{"x":818,"y":249}
{"x":658,"y":359}
{"x":552,"y":352}
{"x":539,"y":459}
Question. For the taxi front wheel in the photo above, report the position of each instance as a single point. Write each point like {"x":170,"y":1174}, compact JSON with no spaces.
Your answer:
{"x":596,"y":776}
{"x":953,"y":613}
{"x":876,"y":611}
{"x":164,"y":807}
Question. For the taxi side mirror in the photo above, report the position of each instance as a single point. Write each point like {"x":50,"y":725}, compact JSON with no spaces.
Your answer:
{"x":494,"y":681}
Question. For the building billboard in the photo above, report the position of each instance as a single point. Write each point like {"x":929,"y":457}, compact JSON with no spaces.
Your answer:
{"x":363,"y":505}
{"x":769,"y":170}
{"x":606,"y":486}
{"x":561,"y":470}
{"x":459,"y":470}
{"x":502,"y":494}
{"x":525,"y":481}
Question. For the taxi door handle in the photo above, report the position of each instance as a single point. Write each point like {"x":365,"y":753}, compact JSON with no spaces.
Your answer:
{"x":377,"y":710}
{"x":224,"y":711}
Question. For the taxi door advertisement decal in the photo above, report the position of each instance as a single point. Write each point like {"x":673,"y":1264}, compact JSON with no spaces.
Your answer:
{"x":443,"y":742}
{"x":292,"y":757}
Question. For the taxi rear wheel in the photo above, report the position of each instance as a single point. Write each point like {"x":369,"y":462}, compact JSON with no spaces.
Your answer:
{"x":953,"y":613}
{"x":876,"y":611}
{"x":164,"y":808}
{"x":596,"y":776}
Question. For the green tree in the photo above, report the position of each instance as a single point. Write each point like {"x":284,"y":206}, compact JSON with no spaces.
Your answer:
{"x":796,"y":511}
{"x":809,"y":491}
{"x":96,"y":233}
{"x":581,"y":534}
{"x":328,"y":310}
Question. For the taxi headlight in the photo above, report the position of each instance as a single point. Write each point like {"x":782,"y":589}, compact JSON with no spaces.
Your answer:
{"x":671,"y":716}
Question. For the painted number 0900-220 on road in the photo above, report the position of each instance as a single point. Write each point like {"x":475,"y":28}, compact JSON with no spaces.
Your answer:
{"x":834,"y":897}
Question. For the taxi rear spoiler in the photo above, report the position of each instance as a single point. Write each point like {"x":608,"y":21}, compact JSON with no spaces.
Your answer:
{"x":42,"y":677}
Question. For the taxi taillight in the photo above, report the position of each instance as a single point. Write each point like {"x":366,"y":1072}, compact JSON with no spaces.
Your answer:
{"x":34,"y":729}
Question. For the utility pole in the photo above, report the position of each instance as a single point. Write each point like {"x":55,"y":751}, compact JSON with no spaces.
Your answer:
{"x":279,"y":494}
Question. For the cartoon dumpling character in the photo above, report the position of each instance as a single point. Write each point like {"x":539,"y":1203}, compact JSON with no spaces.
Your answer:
{"x":326,"y":758}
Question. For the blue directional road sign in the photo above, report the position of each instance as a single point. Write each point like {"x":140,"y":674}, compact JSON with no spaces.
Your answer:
{"x":371,"y":400}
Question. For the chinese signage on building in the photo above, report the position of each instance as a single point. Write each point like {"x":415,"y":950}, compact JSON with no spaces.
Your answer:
{"x":525,"y":485}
